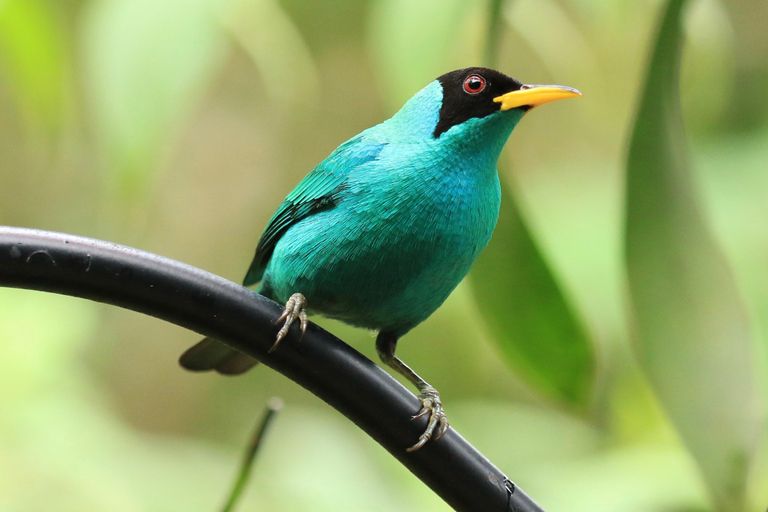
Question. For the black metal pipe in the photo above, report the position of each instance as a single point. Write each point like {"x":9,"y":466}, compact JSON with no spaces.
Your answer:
{"x":320,"y":362}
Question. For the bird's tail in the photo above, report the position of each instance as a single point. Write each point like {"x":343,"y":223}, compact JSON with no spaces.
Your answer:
{"x":209,"y":354}
{"x":255,"y":272}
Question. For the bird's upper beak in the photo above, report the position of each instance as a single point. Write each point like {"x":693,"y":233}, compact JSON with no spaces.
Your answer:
{"x":535,"y":95}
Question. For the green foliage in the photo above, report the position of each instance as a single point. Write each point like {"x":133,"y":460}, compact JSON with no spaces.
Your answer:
{"x":142,"y":87}
{"x":693,"y":332}
{"x":528,"y":315}
{"x":35,"y":56}
{"x":276,"y":48}
{"x":414,"y":42}
{"x":145,"y":87}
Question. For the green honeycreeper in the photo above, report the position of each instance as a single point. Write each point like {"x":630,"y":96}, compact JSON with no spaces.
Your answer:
{"x":381,"y":232}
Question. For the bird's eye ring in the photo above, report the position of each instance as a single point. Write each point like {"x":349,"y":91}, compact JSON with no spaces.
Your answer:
{"x":474,"y":84}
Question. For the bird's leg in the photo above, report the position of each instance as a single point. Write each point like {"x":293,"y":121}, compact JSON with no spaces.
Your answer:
{"x":294,"y":308}
{"x":430,"y":398}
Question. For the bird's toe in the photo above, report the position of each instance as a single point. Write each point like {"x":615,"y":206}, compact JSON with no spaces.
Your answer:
{"x":431,"y":404}
{"x":294,"y":308}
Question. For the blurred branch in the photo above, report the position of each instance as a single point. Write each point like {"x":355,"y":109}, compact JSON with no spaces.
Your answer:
{"x":274,"y":405}
{"x":493,"y":33}
{"x":320,"y":362}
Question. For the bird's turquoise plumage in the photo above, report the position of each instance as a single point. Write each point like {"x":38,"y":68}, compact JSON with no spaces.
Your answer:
{"x":381,"y":232}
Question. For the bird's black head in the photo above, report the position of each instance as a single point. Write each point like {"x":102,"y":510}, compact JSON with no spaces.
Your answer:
{"x":479,"y":92}
{"x":469,"y":93}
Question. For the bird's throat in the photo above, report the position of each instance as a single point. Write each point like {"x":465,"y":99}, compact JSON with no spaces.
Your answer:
{"x":480,"y":140}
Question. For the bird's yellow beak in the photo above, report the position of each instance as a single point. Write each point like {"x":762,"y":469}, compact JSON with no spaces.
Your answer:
{"x":535,"y":95}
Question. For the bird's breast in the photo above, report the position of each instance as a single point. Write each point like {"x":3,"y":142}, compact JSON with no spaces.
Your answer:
{"x":432,"y":197}
{"x":427,"y":223}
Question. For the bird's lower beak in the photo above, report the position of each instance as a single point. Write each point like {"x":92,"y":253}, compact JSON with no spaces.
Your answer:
{"x":535,"y":95}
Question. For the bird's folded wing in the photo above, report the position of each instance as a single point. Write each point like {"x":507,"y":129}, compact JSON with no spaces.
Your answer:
{"x":316,"y":192}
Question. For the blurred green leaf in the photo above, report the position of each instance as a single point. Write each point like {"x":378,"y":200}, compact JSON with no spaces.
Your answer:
{"x":707,"y":70}
{"x":528,"y":315}
{"x":494,"y":30}
{"x":148,"y":63}
{"x":42,"y":337}
{"x":568,"y":465}
{"x":35,"y":56}
{"x":554,"y":37}
{"x":277,"y":49}
{"x":692,"y":329}
{"x":413,"y":41}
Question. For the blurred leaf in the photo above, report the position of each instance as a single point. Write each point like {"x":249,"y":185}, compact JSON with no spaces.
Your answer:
{"x":412,"y":42}
{"x":493,"y":36}
{"x":590,"y":472}
{"x":35,"y":56}
{"x":528,"y":315}
{"x":275,"y":45}
{"x":552,"y":34}
{"x":148,"y":63}
{"x":692,"y":329}
{"x":635,"y":478}
{"x":544,"y":437}
{"x":734,"y":186}
{"x":707,"y":70}
{"x":41,"y":339}
{"x":748,"y":106}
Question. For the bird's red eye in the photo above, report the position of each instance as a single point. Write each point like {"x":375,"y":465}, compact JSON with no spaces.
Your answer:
{"x":474,"y":84}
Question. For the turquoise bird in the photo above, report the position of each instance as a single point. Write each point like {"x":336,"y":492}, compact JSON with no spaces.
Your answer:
{"x":381,"y":232}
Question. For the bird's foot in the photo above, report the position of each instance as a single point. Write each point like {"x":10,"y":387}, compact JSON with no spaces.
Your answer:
{"x":431,"y":404}
{"x":294,"y":308}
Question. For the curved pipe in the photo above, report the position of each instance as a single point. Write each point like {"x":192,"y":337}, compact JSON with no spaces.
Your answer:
{"x":321,"y":363}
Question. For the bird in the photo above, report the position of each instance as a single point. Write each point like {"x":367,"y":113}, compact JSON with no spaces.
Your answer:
{"x":381,"y":232}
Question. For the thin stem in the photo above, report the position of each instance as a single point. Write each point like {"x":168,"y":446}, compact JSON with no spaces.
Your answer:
{"x":493,"y":31}
{"x":274,"y":405}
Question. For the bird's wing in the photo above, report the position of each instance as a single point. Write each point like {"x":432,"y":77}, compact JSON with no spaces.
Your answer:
{"x":316,"y":192}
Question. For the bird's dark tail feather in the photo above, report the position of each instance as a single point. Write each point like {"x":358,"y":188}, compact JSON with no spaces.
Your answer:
{"x":209,"y":354}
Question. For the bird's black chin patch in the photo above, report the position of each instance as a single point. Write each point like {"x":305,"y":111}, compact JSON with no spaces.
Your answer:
{"x":459,"y":105}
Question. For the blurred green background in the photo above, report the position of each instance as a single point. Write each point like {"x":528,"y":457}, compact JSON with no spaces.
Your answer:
{"x":623,"y":366}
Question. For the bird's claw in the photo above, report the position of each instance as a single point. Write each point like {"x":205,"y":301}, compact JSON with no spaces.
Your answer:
{"x":431,"y":404}
{"x":294,"y":308}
